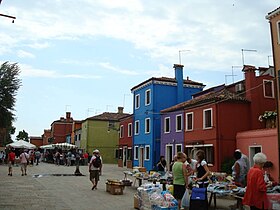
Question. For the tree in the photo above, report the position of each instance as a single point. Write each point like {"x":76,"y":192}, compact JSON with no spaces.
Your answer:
{"x":22,"y":135}
{"x":9,"y":85}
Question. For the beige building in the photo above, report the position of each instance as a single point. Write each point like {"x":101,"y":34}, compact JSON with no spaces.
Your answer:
{"x":274,"y":21}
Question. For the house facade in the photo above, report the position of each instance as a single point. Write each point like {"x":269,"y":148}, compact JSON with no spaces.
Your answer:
{"x":102,"y":132}
{"x":125,"y":142}
{"x":150,"y":97}
{"x":46,"y":136}
{"x":214,"y":117}
{"x":61,"y":128}
{"x":36,"y":140}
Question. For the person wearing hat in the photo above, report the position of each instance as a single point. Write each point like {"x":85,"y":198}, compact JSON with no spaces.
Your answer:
{"x":95,"y":166}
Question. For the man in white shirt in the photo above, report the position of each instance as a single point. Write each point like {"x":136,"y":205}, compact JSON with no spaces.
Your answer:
{"x":94,"y":167}
{"x":245,"y":159}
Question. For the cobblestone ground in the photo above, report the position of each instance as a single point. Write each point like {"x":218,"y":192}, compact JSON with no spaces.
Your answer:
{"x":66,"y":192}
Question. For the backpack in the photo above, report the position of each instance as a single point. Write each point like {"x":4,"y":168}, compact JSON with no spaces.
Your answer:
{"x":96,"y":162}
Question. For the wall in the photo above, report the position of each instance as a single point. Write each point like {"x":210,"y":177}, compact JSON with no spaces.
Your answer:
{"x":267,"y":140}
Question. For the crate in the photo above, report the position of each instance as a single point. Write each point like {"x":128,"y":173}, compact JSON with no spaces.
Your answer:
{"x":115,"y":189}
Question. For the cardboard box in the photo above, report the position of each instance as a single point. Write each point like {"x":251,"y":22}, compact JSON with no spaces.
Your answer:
{"x":114,"y":189}
{"x":136,"y":201}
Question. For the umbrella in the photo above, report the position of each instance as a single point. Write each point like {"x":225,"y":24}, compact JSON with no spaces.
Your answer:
{"x":21,"y":144}
{"x":65,"y":145}
{"x":48,"y":146}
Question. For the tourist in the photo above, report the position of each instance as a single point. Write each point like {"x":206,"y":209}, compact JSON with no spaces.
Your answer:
{"x":11,"y":161}
{"x":85,"y":158}
{"x":267,"y":167}
{"x":37,"y":156}
{"x":180,"y":177}
{"x":239,"y":170}
{"x":172,"y":162}
{"x":23,"y":161}
{"x":95,"y":166}
{"x":255,"y":195}
{"x":202,"y":170}
{"x":245,"y":159}
{"x":161,"y":165}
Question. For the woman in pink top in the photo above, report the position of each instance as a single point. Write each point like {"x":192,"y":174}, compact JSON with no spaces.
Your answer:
{"x":23,"y":161}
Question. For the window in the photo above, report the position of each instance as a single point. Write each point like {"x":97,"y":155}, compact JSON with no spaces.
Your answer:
{"x":137,"y":101}
{"x":111,"y":125}
{"x":178,"y":123}
{"x":207,"y":148}
{"x":207,"y":118}
{"x":147,"y":97}
{"x":121,"y":131}
{"x":117,"y":153}
{"x":278,"y":31}
{"x":129,"y":152}
{"x":136,"y":132}
{"x":178,"y":148}
{"x":136,"y":153}
{"x":120,"y":153}
{"x":147,"y":152}
{"x":268,"y":88}
{"x":189,"y":121}
{"x":129,"y":129}
{"x":167,"y":125}
{"x":79,"y":137}
{"x":147,"y":125}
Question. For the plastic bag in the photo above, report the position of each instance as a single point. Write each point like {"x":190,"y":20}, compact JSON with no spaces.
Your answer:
{"x":186,"y":199}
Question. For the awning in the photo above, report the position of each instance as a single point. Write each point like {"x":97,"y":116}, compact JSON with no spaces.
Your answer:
{"x":21,"y":144}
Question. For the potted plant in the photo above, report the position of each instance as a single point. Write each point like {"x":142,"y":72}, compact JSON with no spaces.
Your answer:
{"x":269,"y":117}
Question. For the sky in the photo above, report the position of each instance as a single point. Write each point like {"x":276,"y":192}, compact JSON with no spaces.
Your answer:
{"x":84,"y":56}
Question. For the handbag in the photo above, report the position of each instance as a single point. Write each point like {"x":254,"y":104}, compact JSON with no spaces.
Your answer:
{"x":199,"y":193}
{"x":186,"y":199}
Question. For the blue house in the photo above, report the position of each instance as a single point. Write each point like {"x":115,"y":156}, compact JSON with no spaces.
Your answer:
{"x":150,"y":97}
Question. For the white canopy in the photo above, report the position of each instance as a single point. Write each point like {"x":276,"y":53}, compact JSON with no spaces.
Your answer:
{"x":21,"y":144}
{"x":59,"y":145}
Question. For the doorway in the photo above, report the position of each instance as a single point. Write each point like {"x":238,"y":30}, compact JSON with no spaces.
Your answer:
{"x":252,"y":151}
{"x":124,"y":156}
{"x":169,"y":154}
{"x":141,"y":157}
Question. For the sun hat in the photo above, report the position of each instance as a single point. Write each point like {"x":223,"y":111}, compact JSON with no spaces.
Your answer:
{"x":96,"y":151}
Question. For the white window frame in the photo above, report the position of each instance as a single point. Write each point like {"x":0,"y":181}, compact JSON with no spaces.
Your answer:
{"x":147,"y":154}
{"x":204,"y":121}
{"x":177,"y":116}
{"x":137,"y":101}
{"x":147,"y":129}
{"x":165,"y":131}
{"x":272,"y":88}
{"x":129,"y":129}
{"x":278,"y":31}
{"x":137,"y":127}
{"x":136,"y":153}
{"x":146,"y":97}
{"x":121,"y":131}
{"x":192,"y":114}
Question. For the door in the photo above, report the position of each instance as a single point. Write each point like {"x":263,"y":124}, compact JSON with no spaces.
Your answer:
{"x":124,"y":156}
{"x":141,"y":157}
{"x":169,"y":154}
{"x":252,"y":151}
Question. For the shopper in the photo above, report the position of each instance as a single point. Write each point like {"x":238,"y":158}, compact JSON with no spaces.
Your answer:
{"x":161,"y":165}
{"x":11,"y":161}
{"x":202,"y":169}
{"x":180,"y":177}
{"x":23,"y":161}
{"x":239,"y":170}
{"x":255,"y":195}
{"x":95,"y":166}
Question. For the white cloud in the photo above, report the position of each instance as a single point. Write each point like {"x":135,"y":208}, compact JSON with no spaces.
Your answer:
{"x":116,"y":69}
{"x":24,"y":54}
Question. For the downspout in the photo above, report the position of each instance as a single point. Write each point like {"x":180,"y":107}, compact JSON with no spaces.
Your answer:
{"x":218,"y":138}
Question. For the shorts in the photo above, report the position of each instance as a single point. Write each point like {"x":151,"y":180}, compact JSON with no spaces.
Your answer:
{"x":179,"y":191}
{"x":11,"y":163}
{"x":94,"y":174}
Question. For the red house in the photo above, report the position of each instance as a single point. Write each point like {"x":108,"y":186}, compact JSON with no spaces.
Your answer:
{"x":215,"y":116}
{"x":61,"y":128}
{"x":36,"y":140}
{"x":46,"y":136}
{"x":125,"y":142}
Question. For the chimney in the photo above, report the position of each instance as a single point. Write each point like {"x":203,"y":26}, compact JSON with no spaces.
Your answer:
{"x":180,"y":82}
{"x":250,"y":78}
{"x":120,"y":110}
{"x":68,"y":115}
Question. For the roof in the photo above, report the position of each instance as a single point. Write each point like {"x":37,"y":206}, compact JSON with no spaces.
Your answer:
{"x":167,"y":79}
{"x":273,"y":13}
{"x":210,"y":97}
{"x":109,"y":116}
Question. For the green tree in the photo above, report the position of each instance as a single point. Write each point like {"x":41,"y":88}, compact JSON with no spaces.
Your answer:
{"x":9,"y":85}
{"x":22,"y":135}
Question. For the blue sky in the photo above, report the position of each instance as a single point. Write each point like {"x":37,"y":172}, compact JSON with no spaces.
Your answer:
{"x":84,"y":56}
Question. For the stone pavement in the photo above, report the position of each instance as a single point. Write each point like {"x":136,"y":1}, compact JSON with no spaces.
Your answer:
{"x":66,"y":192}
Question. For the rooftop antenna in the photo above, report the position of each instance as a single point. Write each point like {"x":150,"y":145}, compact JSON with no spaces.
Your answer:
{"x":124,"y":95}
{"x":180,"y":51}
{"x":269,"y":56}
{"x":66,"y":106}
{"x":246,"y":50}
